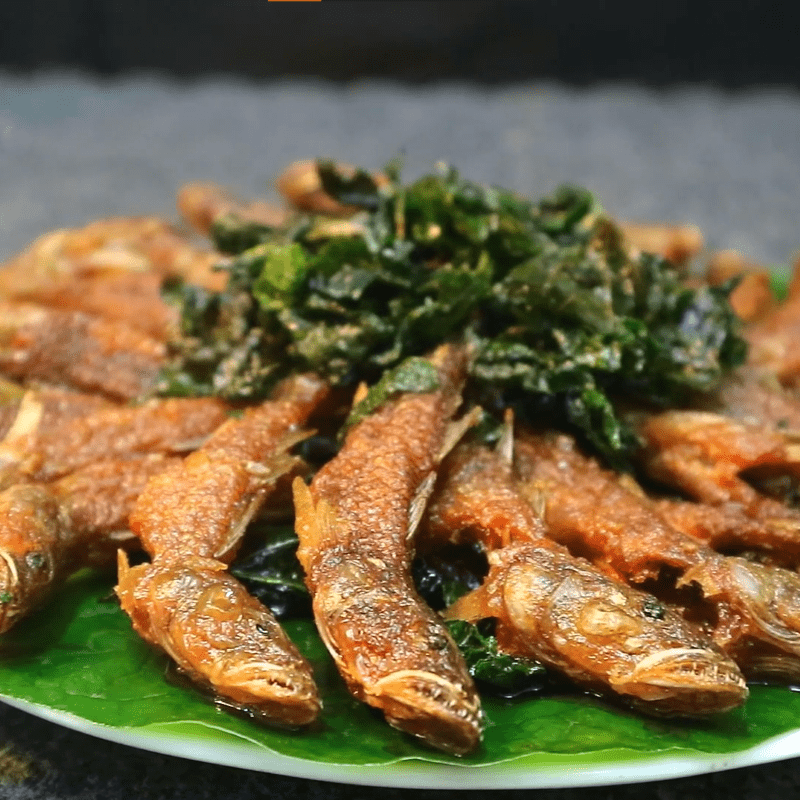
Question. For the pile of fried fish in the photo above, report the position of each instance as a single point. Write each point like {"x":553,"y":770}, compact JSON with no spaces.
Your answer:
{"x":406,"y":370}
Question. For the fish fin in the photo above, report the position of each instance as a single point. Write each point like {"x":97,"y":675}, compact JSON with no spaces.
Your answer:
{"x":505,"y":444}
{"x":471,"y":607}
{"x":456,"y":430}
{"x":315,"y":523}
{"x":419,"y":503}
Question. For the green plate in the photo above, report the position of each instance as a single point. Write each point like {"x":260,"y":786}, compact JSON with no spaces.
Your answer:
{"x":78,"y":663}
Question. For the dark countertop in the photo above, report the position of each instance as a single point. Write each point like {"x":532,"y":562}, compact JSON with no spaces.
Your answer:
{"x":74,"y":148}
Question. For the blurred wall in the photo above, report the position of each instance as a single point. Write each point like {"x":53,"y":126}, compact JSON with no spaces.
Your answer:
{"x":728,"y":42}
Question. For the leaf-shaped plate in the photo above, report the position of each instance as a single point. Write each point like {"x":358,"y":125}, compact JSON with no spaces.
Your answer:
{"x":78,"y":663}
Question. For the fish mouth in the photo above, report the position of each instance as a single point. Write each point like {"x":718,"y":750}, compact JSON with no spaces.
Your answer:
{"x":270,"y":692}
{"x":685,"y":681}
{"x":766,"y":596}
{"x":768,"y":601}
{"x":444,"y":714}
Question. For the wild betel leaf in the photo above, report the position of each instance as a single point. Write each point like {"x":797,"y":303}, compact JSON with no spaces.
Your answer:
{"x":562,"y":318}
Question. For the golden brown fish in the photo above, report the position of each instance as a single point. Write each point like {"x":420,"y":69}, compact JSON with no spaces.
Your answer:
{"x":727,"y":529}
{"x":752,"y":297}
{"x":355,"y":523}
{"x":50,"y":437}
{"x":191,"y":519}
{"x":751,"y":611}
{"x":595,"y":514}
{"x":704,"y":455}
{"x":121,"y":244}
{"x":674,"y":241}
{"x":605,"y":636}
{"x":561,"y":610}
{"x":77,"y":351}
{"x":130,"y":297}
{"x":220,"y":636}
{"x":47,"y":532}
{"x":301,"y":186}
{"x":22,"y":410}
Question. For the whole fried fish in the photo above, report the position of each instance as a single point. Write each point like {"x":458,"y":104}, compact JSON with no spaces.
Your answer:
{"x":705,"y":455}
{"x":355,"y":524}
{"x":55,"y":433}
{"x":191,"y":519}
{"x":77,"y":351}
{"x":561,"y":610}
{"x":752,"y":611}
{"x":47,"y":532}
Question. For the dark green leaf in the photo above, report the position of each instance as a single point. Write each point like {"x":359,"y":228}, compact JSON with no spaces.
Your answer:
{"x":412,"y":375}
{"x":44,"y":661}
{"x":358,"y":189}
{"x":232,"y":234}
{"x":441,"y":577}
{"x":555,"y":308}
{"x":283,"y":271}
{"x":495,"y":672}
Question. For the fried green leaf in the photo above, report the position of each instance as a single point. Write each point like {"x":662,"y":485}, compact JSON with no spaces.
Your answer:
{"x":232,"y":234}
{"x":559,"y":315}
{"x":358,"y":189}
{"x":496,"y":672}
{"x":412,"y":375}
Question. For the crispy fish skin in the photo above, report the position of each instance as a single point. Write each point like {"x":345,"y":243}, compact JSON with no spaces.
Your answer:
{"x":190,"y":519}
{"x":132,"y":244}
{"x":23,"y":411}
{"x":754,"y":622}
{"x":60,"y":405}
{"x":728,"y":529}
{"x":705,"y":464}
{"x":35,"y":542}
{"x":605,"y":636}
{"x":476,"y":500}
{"x":588,"y":509}
{"x":97,"y":501}
{"x":49,"y":531}
{"x":758,"y":614}
{"x":203,"y":505}
{"x":47,"y":447}
{"x":221,"y":636}
{"x":703,"y":454}
{"x":77,"y":351}
{"x":561,"y":610}
{"x":354,"y":524}
{"x":130,"y":297}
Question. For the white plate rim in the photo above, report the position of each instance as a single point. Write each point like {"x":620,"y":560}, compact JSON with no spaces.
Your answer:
{"x":410,"y":774}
